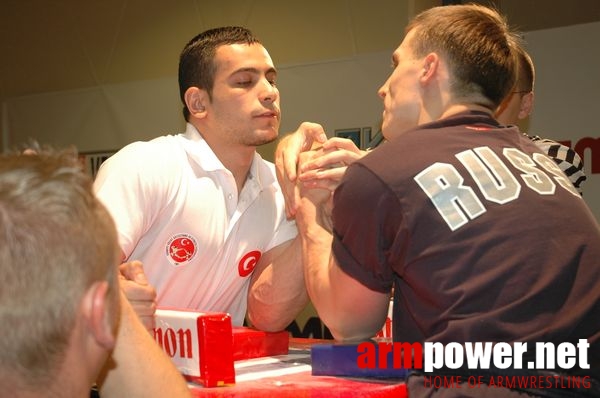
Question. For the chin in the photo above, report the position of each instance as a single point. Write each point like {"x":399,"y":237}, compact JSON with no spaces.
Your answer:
{"x":385,"y":130}
{"x":267,"y":135}
{"x":265,"y":140}
{"x":258,"y":139}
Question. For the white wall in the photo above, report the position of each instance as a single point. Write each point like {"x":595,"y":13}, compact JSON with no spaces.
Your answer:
{"x":567,"y":102}
{"x":99,"y":118}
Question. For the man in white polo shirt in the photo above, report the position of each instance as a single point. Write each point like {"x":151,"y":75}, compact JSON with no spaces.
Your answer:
{"x":202,"y":210}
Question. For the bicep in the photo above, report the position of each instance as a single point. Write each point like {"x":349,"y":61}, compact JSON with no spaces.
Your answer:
{"x":268,"y":258}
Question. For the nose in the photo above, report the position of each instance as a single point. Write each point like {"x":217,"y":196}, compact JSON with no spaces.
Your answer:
{"x":382,"y":90}
{"x":269,"y":92}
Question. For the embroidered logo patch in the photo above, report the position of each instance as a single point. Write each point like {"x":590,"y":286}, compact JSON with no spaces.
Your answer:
{"x":248,"y":262}
{"x":181,"y":248}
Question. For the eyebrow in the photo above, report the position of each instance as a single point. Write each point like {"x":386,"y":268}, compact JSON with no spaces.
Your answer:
{"x":254,"y":70}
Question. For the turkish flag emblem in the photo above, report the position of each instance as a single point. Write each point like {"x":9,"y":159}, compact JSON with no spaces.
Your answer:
{"x":248,"y":262}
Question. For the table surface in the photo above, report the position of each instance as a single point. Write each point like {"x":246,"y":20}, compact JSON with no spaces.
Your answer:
{"x":290,"y":376}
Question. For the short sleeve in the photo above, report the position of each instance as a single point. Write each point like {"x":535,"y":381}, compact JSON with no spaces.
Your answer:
{"x":365,"y":222}
{"x":124,"y":185}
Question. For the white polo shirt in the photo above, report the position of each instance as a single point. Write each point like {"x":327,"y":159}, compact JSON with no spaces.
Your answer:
{"x":177,"y":210}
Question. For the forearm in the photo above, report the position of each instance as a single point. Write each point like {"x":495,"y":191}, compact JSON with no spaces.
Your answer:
{"x":137,"y":366}
{"x":350,"y":310}
{"x":316,"y":250}
{"x":277,"y":291}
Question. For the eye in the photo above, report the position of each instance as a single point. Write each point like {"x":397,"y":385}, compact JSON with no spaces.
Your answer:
{"x":243,"y":79}
{"x":244,"y":82}
{"x":394,"y":62}
{"x":272,"y":78}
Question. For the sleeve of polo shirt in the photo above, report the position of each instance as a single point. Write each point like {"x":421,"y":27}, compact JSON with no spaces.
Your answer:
{"x":285,"y":229}
{"x":365,"y":218}
{"x":123,"y":185}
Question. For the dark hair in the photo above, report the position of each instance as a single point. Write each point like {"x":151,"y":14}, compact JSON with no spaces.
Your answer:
{"x":196,"y":62}
{"x":478,"y":44}
{"x":526,"y":72}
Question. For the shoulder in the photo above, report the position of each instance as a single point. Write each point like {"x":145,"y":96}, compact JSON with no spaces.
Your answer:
{"x":159,"y":147}
{"x":361,"y":179}
{"x":266,"y":172}
{"x":154,"y":153}
{"x":157,"y":161}
{"x":558,"y":151}
{"x":565,"y":157}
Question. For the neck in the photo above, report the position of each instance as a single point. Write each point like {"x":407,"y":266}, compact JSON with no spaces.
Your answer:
{"x":236,"y":158}
{"x":459,"y":108}
{"x":238,"y":164}
{"x":70,"y":388}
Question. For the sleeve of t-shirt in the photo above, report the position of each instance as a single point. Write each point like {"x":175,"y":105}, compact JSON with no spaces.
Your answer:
{"x":365,"y":224}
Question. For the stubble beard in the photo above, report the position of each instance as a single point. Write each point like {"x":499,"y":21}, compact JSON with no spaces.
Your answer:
{"x":263,"y":136}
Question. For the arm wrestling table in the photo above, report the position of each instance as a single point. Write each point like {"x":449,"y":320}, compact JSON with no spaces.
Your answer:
{"x":290,"y":376}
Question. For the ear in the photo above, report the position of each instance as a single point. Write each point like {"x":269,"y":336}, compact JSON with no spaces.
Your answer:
{"x":100,"y":311}
{"x":431,"y":63}
{"x":195,"y":100}
{"x":526,"y":105}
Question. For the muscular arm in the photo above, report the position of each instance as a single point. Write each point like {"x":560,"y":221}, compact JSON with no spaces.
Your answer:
{"x":350,"y":310}
{"x":277,"y":292}
{"x":275,"y":298}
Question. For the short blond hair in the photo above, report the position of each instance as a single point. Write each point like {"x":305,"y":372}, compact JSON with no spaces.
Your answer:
{"x":56,"y":239}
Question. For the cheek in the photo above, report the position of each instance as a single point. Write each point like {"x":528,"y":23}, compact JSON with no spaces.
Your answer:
{"x":231,"y":111}
{"x":231,"y":101}
{"x":510,"y":114}
{"x":399,"y":91}
{"x":400,"y":102}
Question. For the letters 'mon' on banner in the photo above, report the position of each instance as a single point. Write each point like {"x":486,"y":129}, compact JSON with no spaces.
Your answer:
{"x":200,"y":344}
